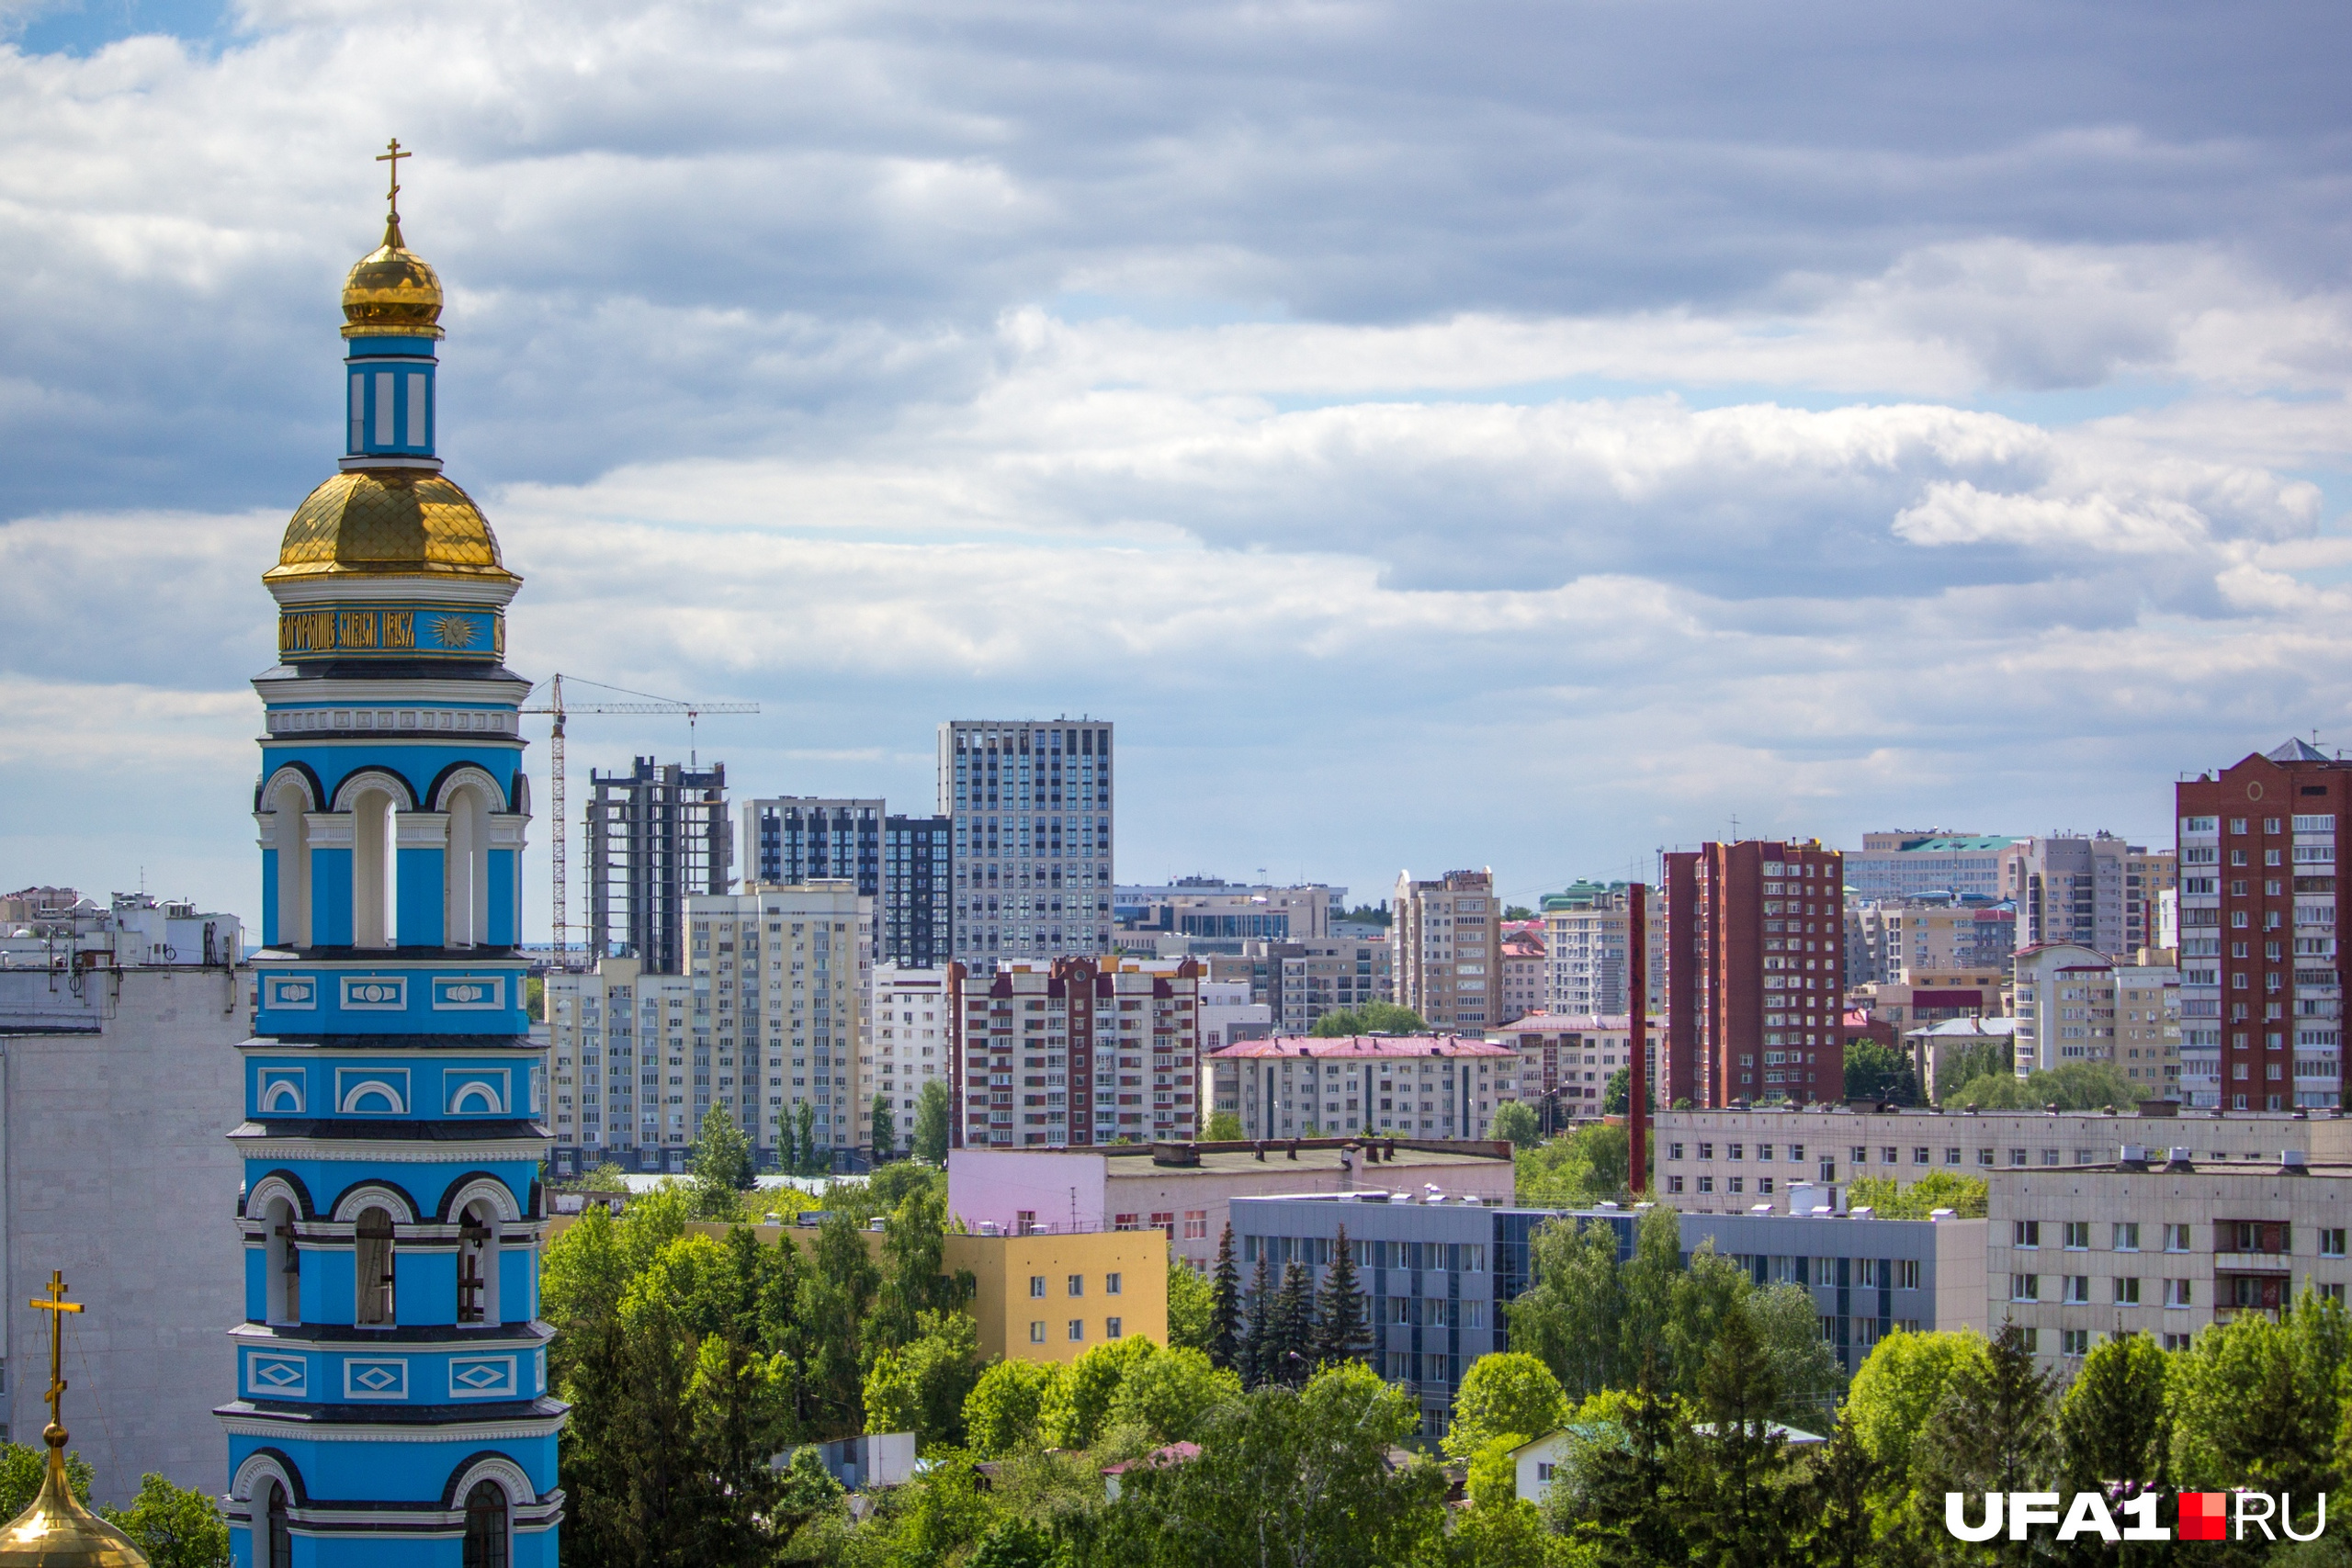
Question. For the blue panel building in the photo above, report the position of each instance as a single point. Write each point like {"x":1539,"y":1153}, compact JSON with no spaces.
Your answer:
{"x":392,"y":1403}
{"x":1441,"y":1275}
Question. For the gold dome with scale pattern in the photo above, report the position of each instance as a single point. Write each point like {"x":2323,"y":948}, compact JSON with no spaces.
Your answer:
{"x":399,"y":522}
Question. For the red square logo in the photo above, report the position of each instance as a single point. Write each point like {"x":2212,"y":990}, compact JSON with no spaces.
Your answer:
{"x":2204,"y":1516}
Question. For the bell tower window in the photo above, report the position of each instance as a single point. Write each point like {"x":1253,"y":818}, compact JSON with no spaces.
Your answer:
{"x":372,"y":1263}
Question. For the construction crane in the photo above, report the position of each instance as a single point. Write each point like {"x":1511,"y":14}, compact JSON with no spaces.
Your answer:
{"x":555,"y":704}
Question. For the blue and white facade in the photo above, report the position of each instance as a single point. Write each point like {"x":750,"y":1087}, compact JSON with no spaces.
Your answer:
{"x":392,"y":1403}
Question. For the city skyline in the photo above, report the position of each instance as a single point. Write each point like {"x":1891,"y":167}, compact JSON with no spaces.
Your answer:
{"x":813,"y":363}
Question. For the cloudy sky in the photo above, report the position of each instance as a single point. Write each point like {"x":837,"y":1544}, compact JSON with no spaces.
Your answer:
{"x":1487,"y":433}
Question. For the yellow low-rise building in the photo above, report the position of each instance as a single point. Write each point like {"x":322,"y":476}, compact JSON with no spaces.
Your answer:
{"x":1050,"y":1298}
{"x":1037,"y":1297}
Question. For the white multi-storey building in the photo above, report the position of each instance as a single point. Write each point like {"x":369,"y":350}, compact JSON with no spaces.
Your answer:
{"x":916,"y":1013}
{"x":1081,"y":1052}
{"x":2074,"y":1005}
{"x":1031,"y":806}
{"x":1585,"y":948}
{"x":608,"y":1030}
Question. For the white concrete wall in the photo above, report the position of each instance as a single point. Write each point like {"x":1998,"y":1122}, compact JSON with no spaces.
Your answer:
{"x":118,"y":1172}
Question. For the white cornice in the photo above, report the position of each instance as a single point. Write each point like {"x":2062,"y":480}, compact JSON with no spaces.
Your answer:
{"x":329,"y":589}
{"x":261,"y":1425}
{"x":372,"y":692}
{"x":420,"y":1151}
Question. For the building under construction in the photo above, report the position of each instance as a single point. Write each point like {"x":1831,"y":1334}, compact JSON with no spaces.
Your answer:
{"x":657,"y":835}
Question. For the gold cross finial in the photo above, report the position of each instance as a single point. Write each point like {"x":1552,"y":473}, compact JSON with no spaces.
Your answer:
{"x":393,"y":155}
{"x":56,"y":1304}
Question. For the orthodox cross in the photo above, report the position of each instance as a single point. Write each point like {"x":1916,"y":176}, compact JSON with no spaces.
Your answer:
{"x":393,"y":156}
{"x":56,"y":1304}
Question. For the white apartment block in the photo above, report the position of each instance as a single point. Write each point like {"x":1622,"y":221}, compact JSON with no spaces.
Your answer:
{"x":1449,"y":949}
{"x":2161,"y":1242}
{"x":780,"y":978}
{"x":1306,"y":979}
{"x":1419,"y":1085}
{"x":1731,"y":1160}
{"x":1081,"y":1051}
{"x":1030,"y":803}
{"x":1899,"y":865}
{"x":607,"y":1030}
{"x":1585,"y":947}
{"x":1567,"y":1059}
{"x":1228,"y":1015}
{"x":915,"y":1015}
{"x":2073,"y":1006}
{"x":1889,"y":941}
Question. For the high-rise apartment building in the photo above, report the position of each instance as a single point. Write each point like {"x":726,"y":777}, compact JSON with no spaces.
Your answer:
{"x":1449,"y":949}
{"x":657,"y":836}
{"x":1304,"y":981}
{"x":915,"y":927}
{"x":807,"y":838}
{"x":1524,"y":983}
{"x":1754,"y":978}
{"x":1585,"y":946}
{"x":2262,"y":981}
{"x":916,"y":1012}
{"x":1031,"y":806}
{"x":780,"y":979}
{"x":1081,"y":1051}
{"x":1929,"y":861}
{"x":2095,"y":892}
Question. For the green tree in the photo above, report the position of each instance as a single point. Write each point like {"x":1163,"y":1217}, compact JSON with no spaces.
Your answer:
{"x":1617,"y":1094}
{"x":1841,"y":1502}
{"x":1732,"y":1469}
{"x":1372,"y":1018}
{"x":834,"y":1294}
{"x":1259,"y":1353}
{"x":788,"y":1151}
{"x":1167,"y":1397}
{"x":176,"y":1527}
{"x":1224,"y":1127}
{"x":1993,"y":1431}
{"x":1225,"y":1305}
{"x":1014,"y":1542}
{"x":1514,"y":1123}
{"x":1340,"y":1332}
{"x":922,"y":1386}
{"x":1077,"y":1408}
{"x":1955,"y":1069}
{"x":1575,"y":1169}
{"x":1803,"y":1369}
{"x":1497,"y":1529}
{"x":630,"y":1461}
{"x":885,"y":1129}
{"x":1573,"y":1316}
{"x":739,"y":1420}
{"x":2076,"y":1085}
{"x":1619,"y":1505}
{"x":1005,"y":1413}
{"x":914,"y":1278}
{"x":1879,"y":1072}
{"x":1298,"y":1478}
{"x":2255,"y":1401}
{"x":722,"y":1166}
{"x":1192,"y":1306}
{"x":606,"y":1178}
{"x":933,"y":1124}
{"x":2115,"y":1422}
{"x":814,"y":1161}
{"x":1510,"y":1392}
{"x":1966,"y":1196}
{"x":1292,"y":1349}
{"x":1899,"y":1387}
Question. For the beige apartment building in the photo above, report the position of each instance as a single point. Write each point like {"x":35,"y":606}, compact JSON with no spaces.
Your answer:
{"x":1730,"y":1160}
{"x":607,"y":1028}
{"x":1889,"y":941}
{"x":1415,"y":1085}
{"x":2098,"y":892}
{"x":1567,"y":1059}
{"x":1523,"y":968}
{"x":779,"y":978}
{"x":2163,"y":1241}
{"x":1449,"y":949}
{"x":1586,"y":950}
{"x":2073,"y":1005}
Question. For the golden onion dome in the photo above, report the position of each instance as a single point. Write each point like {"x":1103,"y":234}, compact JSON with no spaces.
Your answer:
{"x":59,"y":1531}
{"x":391,"y":292}
{"x":387,"y":522}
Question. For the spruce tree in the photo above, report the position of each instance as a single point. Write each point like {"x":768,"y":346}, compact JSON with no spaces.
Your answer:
{"x":1258,"y":1350}
{"x":1339,"y":1332}
{"x":1294,"y":1327}
{"x":1225,"y":1305}
{"x":1838,"y":1503}
{"x":1732,"y":1469}
{"x":1992,"y":1431}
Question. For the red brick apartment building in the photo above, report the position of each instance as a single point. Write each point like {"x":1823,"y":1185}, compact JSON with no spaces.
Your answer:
{"x":1754,"y":971}
{"x":2261,"y":901}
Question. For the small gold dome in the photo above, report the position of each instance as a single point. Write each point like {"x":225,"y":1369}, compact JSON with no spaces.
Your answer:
{"x":391,"y":292}
{"x":59,"y":1531}
{"x":387,"y":521}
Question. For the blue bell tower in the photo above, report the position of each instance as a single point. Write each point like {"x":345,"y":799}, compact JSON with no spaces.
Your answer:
{"x":392,"y":1403}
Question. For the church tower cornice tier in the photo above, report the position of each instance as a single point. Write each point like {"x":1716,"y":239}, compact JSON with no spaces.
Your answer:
{"x":391,"y":1397}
